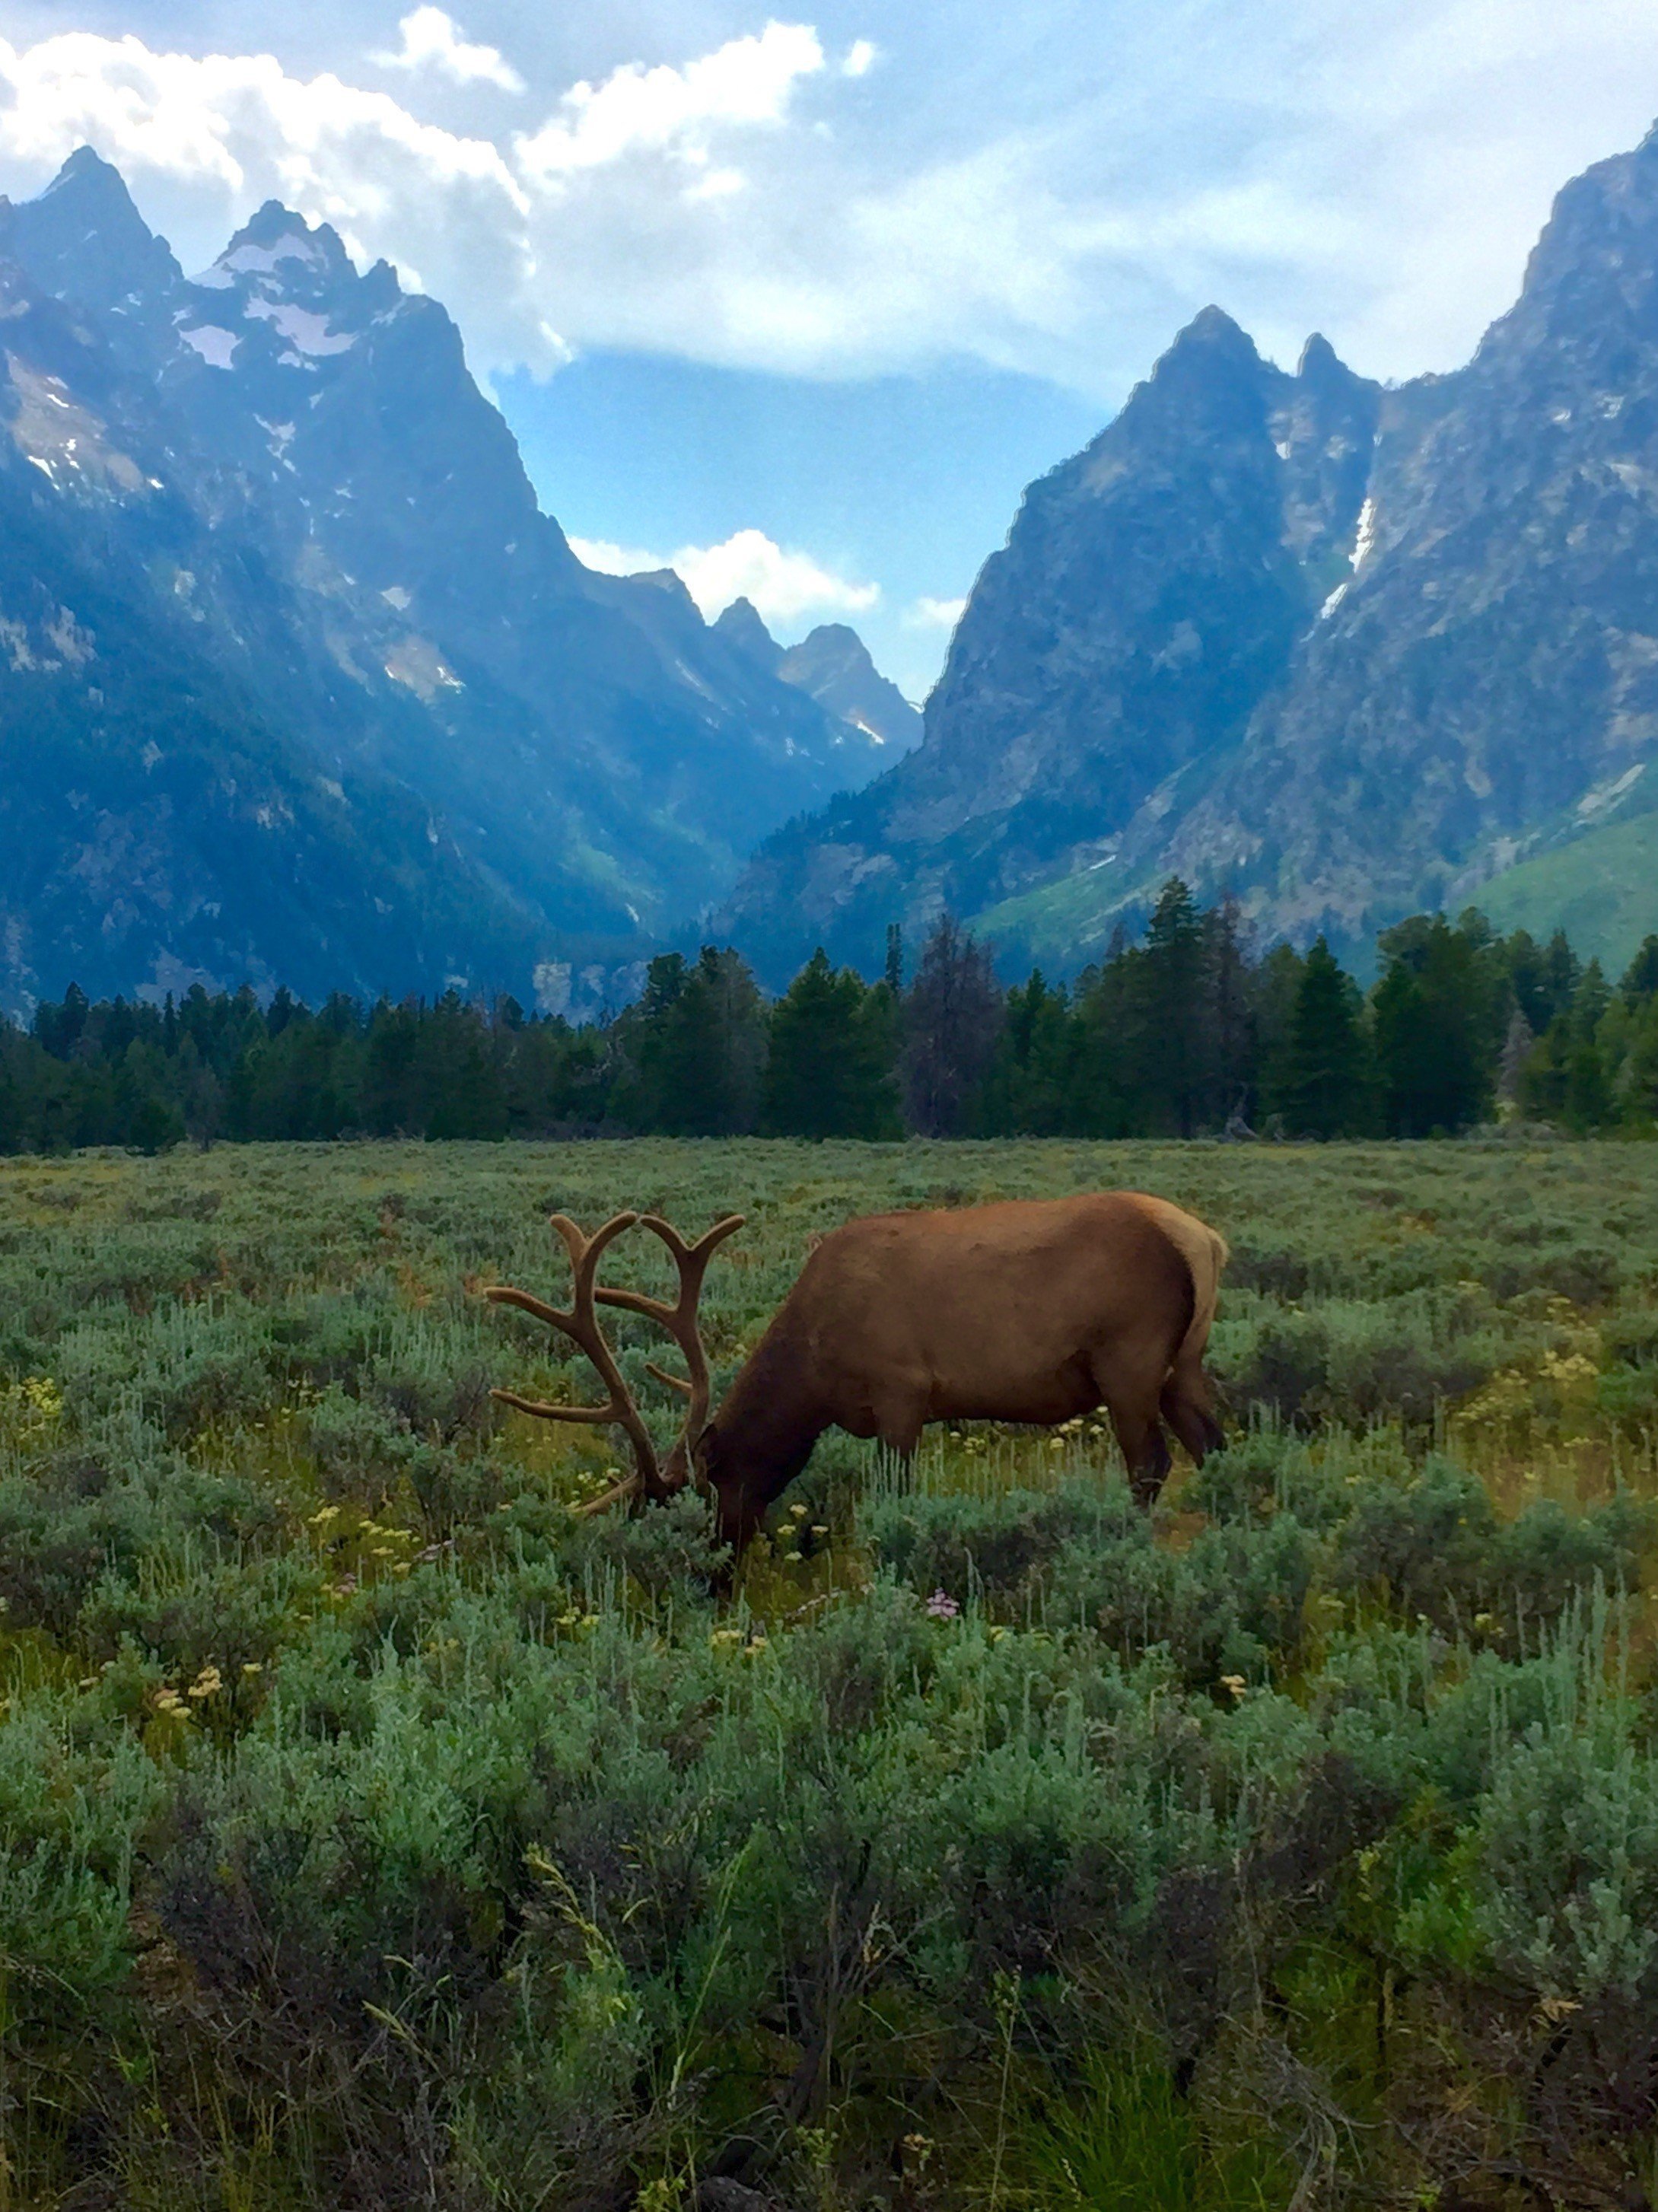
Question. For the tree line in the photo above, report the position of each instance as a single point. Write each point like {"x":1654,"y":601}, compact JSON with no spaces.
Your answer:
{"x":1186,"y":1032}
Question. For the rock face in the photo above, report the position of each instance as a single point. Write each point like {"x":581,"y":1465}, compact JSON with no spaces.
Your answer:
{"x":832,"y":665}
{"x":297,"y":681}
{"x":1348,"y":652}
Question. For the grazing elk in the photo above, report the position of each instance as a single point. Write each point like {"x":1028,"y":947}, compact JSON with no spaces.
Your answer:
{"x":1033,"y":1309}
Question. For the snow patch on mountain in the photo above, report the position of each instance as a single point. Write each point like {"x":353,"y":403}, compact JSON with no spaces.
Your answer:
{"x":307,"y":332}
{"x":216,"y":347}
{"x":251,"y":260}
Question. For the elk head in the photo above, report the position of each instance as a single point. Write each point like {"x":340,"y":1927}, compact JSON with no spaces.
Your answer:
{"x":652,"y":1480}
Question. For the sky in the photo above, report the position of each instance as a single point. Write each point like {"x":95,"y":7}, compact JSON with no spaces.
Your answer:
{"x":801,"y":302}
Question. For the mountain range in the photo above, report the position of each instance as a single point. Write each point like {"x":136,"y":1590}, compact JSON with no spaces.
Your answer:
{"x":1342,"y":651}
{"x":298,"y":683}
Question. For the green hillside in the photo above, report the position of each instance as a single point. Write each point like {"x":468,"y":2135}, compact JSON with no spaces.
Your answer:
{"x":1602,"y":889}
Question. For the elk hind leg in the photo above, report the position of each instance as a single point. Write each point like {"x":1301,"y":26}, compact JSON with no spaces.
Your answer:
{"x":1187,"y":1404}
{"x":1131,"y":1399}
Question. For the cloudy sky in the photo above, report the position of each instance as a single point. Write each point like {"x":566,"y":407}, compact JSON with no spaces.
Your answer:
{"x":801,"y":302}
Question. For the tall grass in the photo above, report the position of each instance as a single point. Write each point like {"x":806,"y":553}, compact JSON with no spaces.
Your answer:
{"x":374,"y":1832}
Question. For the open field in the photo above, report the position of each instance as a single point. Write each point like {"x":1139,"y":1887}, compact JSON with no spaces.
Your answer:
{"x":374,"y":1834}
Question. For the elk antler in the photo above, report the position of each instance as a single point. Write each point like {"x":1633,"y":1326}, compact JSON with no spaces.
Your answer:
{"x":680,"y":1321}
{"x":580,"y":1325}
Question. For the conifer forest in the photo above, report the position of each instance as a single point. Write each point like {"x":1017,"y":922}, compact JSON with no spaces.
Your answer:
{"x":378,"y":1831}
{"x":1184,"y":1034}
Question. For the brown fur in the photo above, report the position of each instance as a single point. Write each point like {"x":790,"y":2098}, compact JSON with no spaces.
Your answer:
{"x":1034,"y":1310}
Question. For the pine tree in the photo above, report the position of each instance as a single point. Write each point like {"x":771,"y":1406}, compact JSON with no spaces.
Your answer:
{"x":1437,"y":1018}
{"x":695,"y":1044}
{"x":1324,"y":1088}
{"x":830,"y":1073}
{"x":1230,"y":1012}
{"x":1169,"y":1038}
{"x":894,"y":961}
{"x":1640,"y":979}
{"x":1029,"y":1089}
{"x":1587,"y":1104}
{"x":1097,"y":1102}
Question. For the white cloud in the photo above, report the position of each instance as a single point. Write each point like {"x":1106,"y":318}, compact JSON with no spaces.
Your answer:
{"x":782,"y":586}
{"x":430,"y":40}
{"x":1052,"y":201}
{"x":934,"y":614}
{"x":745,"y":83}
{"x":230,"y":131}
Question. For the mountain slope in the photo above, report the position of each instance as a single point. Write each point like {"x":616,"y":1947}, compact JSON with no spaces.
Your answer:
{"x":1495,"y":661}
{"x":1347,"y":652}
{"x":155,"y":825}
{"x":1600,"y":885}
{"x":304,"y":501}
{"x":1149,"y":596}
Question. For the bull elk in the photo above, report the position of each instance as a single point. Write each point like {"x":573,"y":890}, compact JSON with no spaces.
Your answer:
{"x":1031,"y":1309}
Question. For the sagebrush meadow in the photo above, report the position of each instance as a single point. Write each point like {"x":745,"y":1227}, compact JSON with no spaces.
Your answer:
{"x":376,"y":1833}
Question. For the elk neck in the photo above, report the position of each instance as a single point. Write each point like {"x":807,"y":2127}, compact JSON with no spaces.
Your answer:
{"x":769,"y":1418}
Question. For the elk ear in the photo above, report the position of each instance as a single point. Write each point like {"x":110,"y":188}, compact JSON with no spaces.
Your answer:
{"x":707,"y":1452}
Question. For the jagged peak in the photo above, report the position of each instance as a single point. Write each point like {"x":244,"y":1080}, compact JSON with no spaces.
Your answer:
{"x":1319,"y":358}
{"x":98,"y":191}
{"x":87,"y":169}
{"x":1210,"y":343}
{"x":276,"y":233}
{"x":669,"y":583}
{"x":83,"y":235}
{"x":1213,"y":327}
{"x":743,"y":626}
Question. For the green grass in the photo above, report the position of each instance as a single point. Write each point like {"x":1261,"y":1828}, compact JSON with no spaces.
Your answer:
{"x":373,"y":1832}
{"x":1601,"y":889}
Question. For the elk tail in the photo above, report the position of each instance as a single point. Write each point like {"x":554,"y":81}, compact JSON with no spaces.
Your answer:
{"x":1206,"y":1253}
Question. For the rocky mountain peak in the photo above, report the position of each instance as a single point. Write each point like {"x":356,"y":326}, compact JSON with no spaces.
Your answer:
{"x":743,"y":624}
{"x":1211,"y":384}
{"x":1321,"y":367}
{"x":1210,"y":343}
{"x":833,"y":664}
{"x":286,"y":272}
{"x":277,"y":247}
{"x":84,"y":239}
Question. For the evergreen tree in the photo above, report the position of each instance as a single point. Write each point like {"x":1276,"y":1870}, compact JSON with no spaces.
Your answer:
{"x":1324,"y":1088}
{"x":1640,"y":979}
{"x":1169,"y":1037}
{"x":459,"y":1082}
{"x":389,"y":1105}
{"x":696,"y":1046}
{"x":1231,"y":1013}
{"x":894,"y":961}
{"x":831,"y":1069}
{"x":1438,"y":1016}
{"x":1276,"y":985}
{"x":1588,"y":1102}
{"x":1096,"y":1102}
{"x":1031,"y":1086}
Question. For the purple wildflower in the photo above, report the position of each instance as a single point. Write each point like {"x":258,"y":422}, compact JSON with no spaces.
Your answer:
{"x":942,"y":1606}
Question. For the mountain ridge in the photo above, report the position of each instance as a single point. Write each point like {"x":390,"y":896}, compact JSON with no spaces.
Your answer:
{"x":283,"y":473}
{"x":1418,"y":636}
